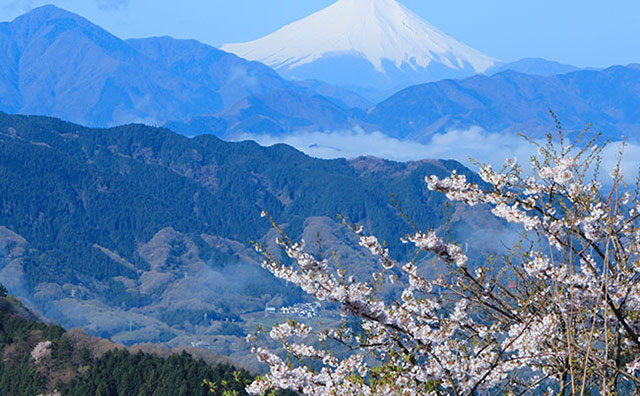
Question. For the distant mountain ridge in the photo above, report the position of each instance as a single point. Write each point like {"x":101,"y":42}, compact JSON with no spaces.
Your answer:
{"x":61,"y":64}
{"x":56,"y":63}
{"x":536,"y":66}
{"x":516,"y":102}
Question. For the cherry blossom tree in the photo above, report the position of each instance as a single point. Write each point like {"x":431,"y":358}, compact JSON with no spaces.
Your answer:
{"x":558,"y":315}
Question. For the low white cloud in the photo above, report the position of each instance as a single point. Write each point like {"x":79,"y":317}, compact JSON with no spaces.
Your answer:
{"x":465,"y":146}
{"x":629,"y":163}
{"x":460,"y":145}
{"x":346,"y":144}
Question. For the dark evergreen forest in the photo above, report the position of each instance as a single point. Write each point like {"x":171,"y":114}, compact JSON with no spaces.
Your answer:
{"x":75,"y":370}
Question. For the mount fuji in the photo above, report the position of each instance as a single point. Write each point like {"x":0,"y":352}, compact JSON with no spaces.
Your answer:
{"x":373,"y":47}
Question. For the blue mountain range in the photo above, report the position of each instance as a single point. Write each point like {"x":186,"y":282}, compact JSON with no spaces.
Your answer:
{"x":53,"y":62}
{"x":517,"y":102}
{"x":56,"y":63}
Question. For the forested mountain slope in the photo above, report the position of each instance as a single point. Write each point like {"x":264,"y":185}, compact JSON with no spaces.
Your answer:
{"x":39,"y":358}
{"x":142,"y":234}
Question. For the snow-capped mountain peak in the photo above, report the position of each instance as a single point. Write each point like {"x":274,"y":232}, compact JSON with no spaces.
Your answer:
{"x":376,"y":30}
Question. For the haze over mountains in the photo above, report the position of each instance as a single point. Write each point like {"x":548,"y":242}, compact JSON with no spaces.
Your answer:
{"x":56,"y":63}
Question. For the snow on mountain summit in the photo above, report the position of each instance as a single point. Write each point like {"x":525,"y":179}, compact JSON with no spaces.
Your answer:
{"x":382,"y":32}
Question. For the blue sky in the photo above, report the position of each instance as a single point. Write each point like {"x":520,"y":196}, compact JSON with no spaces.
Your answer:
{"x":584,"y":33}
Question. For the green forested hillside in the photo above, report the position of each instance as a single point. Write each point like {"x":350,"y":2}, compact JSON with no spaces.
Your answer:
{"x":81,"y":369}
{"x":65,"y":188}
{"x":121,"y":373}
{"x":141,"y":234}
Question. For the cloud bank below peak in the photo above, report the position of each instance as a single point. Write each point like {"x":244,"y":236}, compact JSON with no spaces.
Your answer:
{"x":468,"y":146}
{"x":461,"y":145}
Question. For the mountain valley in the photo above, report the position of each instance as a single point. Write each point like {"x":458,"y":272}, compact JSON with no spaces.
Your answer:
{"x":142,"y":235}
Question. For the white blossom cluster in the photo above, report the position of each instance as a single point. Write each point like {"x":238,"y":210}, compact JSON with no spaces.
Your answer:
{"x":560,"y":316}
{"x":41,"y":350}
